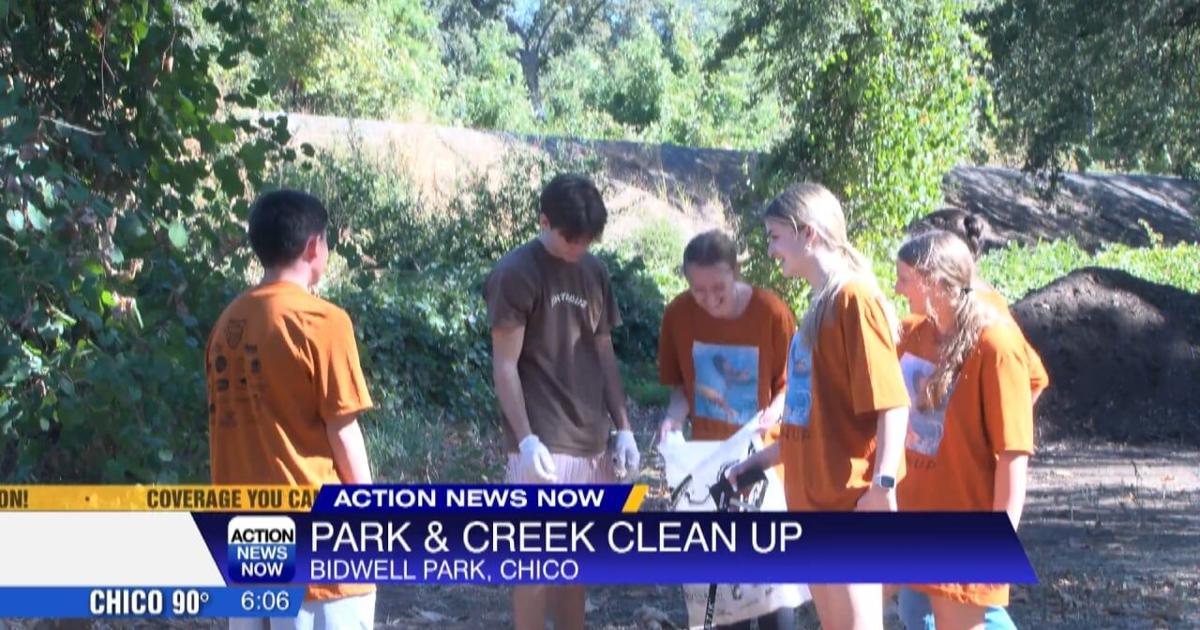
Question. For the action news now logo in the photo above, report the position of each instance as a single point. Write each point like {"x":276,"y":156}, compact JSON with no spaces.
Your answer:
{"x":262,"y":549}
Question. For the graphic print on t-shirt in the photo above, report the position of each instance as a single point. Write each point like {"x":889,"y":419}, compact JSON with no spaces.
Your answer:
{"x":798,"y":402}
{"x":726,"y":382}
{"x":925,"y":428}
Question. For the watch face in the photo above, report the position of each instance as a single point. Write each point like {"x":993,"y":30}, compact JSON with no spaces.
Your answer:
{"x":887,"y":481}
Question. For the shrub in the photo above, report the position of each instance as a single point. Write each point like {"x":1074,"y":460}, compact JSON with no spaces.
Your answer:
{"x":419,"y":314}
{"x":114,"y":258}
{"x":1019,"y":269}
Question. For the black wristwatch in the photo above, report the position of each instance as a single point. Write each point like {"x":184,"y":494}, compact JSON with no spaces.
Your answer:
{"x":887,"y":482}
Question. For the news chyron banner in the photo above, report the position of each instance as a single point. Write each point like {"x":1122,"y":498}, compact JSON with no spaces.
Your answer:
{"x":225,"y":551}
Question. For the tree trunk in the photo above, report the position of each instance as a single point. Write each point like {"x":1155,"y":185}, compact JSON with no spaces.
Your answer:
{"x":531,"y":67}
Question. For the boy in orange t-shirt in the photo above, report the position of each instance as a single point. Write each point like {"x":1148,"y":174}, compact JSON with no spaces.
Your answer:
{"x":285,"y":387}
{"x":967,"y":370}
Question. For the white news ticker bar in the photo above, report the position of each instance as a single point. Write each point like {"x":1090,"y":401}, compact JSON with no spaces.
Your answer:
{"x":110,"y":548}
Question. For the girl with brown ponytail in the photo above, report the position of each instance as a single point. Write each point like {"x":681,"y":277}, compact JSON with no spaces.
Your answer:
{"x":974,"y":230}
{"x":846,"y":410}
{"x":971,"y":424}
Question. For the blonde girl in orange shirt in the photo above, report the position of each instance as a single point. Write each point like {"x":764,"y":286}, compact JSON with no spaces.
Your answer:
{"x":972,"y":422}
{"x":846,"y":410}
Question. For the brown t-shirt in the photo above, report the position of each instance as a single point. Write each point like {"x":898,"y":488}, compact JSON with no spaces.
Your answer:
{"x":951,"y":451}
{"x":729,"y":368}
{"x":564,"y":307}
{"x":834,"y":396}
{"x":280,"y":363}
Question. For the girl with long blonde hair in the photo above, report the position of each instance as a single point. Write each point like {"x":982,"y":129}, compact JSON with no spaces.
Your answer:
{"x":966,"y":367}
{"x":846,"y":409}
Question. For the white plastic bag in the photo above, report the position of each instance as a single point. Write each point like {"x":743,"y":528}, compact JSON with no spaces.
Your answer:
{"x":691,"y":468}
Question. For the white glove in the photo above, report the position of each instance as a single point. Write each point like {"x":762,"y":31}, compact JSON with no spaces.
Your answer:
{"x":536,"y":461}
{"x":669,"y":427}
{"x":626,"y":460}
{"x":673,"y":440}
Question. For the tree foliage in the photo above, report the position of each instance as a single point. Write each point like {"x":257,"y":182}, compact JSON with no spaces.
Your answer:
{"x":361,"y":58}
{"x":1083,"y":82}
{"x":885,"y":97}
{"x":115,"y":143}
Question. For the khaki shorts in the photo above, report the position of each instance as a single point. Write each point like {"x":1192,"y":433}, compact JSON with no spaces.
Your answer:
{"x":570,"y":469}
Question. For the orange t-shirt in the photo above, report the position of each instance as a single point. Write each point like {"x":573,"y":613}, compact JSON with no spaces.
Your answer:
{"x":1039,"y":379}
{"x":729,"y":368}
{"x":951,"y":451}
{"x":835,"y":393}
{"x":280,"y":363}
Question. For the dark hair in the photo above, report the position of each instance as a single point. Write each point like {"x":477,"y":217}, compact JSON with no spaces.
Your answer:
{"x":710,"y":248}
{"x":573,"y":206}
{"x":281,"y":222}
{"x":971,"y":228}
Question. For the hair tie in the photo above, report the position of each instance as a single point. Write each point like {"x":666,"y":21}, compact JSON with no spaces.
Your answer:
{"x":966,"y":290}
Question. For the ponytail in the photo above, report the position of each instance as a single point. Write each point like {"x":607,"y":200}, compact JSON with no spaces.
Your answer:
{"x":945,"y":264}
{"x":971,"y":316}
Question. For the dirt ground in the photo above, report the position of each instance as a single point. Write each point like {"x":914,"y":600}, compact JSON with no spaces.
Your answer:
{"x":1113,"y":533}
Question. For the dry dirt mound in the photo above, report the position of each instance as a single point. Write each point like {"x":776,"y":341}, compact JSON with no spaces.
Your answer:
{"x":1123,"y":355}
{"x":645,"y":183}
{"x":1094,"y":209}
{"x":696,"y":188}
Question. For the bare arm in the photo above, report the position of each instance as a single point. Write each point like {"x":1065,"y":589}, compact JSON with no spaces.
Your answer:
{"x":774,"y":411}
{"x":1011,"y":476}
{"x":506,"y":351}
{"x":677,"y":410}
{"x":676,"y":415}
{"x":890,"y":432}
{"x":614,"y":391}
{"x":889,"y":448}
{"x":349,"y":449}
{"x":764,"y":459}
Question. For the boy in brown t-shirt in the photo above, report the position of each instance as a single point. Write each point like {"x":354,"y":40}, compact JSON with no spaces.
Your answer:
{"x":552,"y":311}
{"x":285,"y":387}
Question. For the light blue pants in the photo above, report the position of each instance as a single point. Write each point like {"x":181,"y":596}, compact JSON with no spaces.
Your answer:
{"x":917,"y":613}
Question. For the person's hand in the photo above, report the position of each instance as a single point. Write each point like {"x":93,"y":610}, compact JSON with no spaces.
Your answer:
{"x":536,"y":461}
{"x":735,"y":470}
{"x":626,"y":459}
{"x":669,"y":425}
{"x":877,"y":499}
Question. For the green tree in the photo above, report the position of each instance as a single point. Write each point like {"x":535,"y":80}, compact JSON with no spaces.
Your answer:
{"x":885,"y":97}
{"x":726,"y":106}
{"x":1080,"y":82}
{"x":640,"y":75}
{"x":487,"y":88}
{"x":548,"y":29}
{"x":361,"y":58}
{"x":115,"y":146}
